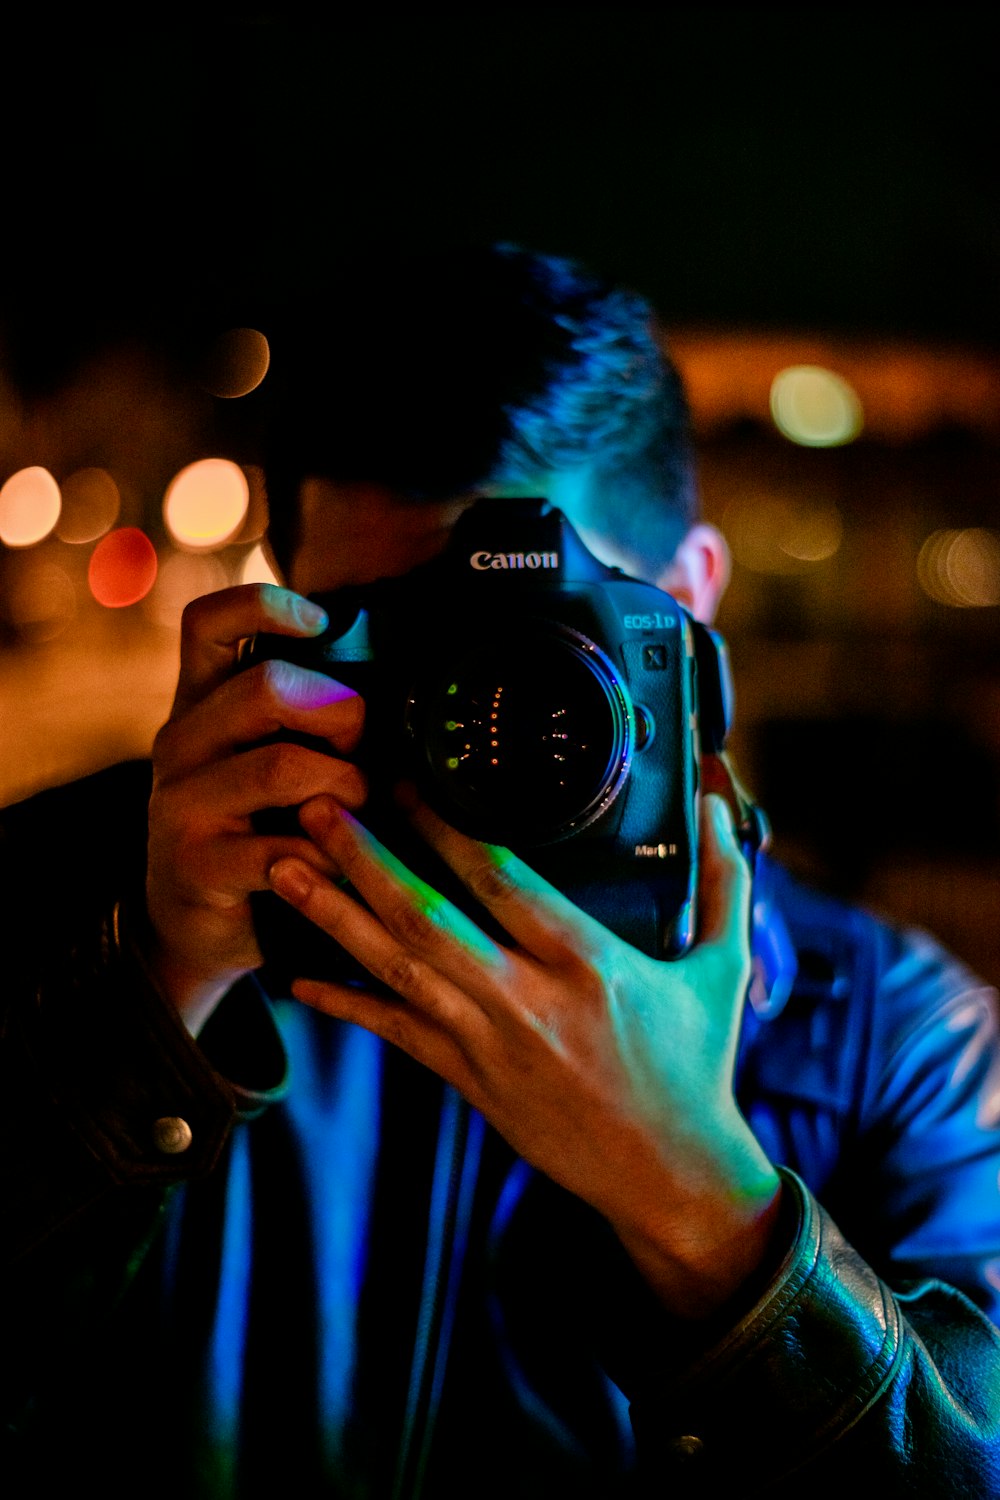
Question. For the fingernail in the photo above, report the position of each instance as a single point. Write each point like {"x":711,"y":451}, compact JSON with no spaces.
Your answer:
{"x":309,"y":615}
{"x":291,"y":880}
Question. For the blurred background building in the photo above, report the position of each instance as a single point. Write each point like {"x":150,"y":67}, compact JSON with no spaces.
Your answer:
{"x":811,"y":204}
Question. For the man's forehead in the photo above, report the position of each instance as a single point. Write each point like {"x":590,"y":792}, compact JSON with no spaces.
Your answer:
{"x":360,"y":504}
{"x":355,"y":531}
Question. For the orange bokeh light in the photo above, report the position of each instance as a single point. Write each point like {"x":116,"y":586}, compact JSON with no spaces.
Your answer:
{"x":122,"y":568}
{"x":236,"y":363}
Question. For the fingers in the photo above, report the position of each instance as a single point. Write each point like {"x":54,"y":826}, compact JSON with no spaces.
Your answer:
{"x":254,"y":705}
{"x":413,"y":927}
{"x":540,"y":919}
{"x":437,"y":962}
{"x":547,"y":924}
{"x":397,"y":1022}
{"x":213,"y":627}
{"x":232,"y":866}
{"x":224,"y":795}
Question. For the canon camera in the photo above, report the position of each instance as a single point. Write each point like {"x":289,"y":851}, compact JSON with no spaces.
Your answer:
{"x":537,"y":699}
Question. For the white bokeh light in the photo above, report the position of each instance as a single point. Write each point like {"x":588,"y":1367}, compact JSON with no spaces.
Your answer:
{"x":206,"y":503}
{"x":30,"y":503}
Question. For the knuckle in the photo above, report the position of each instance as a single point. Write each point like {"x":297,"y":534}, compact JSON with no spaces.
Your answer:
{"x":401,"y":973}
{"x":416,"y":923}
{"x":191,"y":617}
{"x":351,"y":721}
{"x":347,"y":783}
{"x":180,"y":821}
{"x":196,"y":614}
{"x":277,"y":770}
{"x":492,"y":882}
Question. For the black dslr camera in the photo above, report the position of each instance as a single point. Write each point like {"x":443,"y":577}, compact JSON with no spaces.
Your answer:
{"x":537,"y":699}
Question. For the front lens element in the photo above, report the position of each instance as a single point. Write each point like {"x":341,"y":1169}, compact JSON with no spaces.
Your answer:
{"x":526,"y":738}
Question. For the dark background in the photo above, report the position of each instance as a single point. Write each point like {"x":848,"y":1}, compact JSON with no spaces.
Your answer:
{"x":745,"y":167}
{"x":769,"y":171}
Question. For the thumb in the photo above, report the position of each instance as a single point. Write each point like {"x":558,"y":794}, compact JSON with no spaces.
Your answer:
{"x":723,"y":879}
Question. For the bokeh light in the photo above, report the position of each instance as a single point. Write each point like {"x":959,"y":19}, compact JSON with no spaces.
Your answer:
{"x":781,"y":533}
{"x":236,"y":363}
{"x":961,"y":568}
{"x":29,"y":507}
{"x":122,"y":568}
{"x":41,"y":600}
{"x":257,"y":569}
{"x":205,"y":503}
{"x":181,"y":578}
{"x":814,"y":407}
{"x":90,"y":506}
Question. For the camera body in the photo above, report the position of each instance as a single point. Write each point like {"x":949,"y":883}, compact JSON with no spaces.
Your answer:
{"x":537,"y":699}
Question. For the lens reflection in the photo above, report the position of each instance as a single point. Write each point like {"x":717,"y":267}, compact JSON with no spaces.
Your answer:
{"x":526,"y":741}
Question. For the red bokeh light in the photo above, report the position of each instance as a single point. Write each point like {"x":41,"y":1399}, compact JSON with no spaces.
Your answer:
{"x":122,"y":567}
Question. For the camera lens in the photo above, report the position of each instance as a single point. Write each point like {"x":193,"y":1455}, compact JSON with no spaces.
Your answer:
{"x":526,"y":737}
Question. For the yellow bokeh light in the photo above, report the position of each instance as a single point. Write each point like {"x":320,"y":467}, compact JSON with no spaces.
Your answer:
{"x":961,"y":568}
{"x":90,"y":506}
{"x":813,"y":535}
{"x":814,"y":407}
{"x":930,"y":573}
{"x":205,"y":503}
{"x":781,"y":533}
{"x":30,"y":503}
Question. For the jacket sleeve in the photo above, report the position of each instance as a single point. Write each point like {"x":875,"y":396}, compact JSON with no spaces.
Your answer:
{"x":871,"y":1358}
{"x":832,"y":1381}
{"x":105,"y":1100}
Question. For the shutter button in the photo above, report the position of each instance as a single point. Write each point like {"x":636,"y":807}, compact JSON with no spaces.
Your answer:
{"x":171,"y":1135}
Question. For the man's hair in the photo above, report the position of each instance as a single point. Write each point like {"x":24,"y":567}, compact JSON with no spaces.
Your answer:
{"x":441,"y":374}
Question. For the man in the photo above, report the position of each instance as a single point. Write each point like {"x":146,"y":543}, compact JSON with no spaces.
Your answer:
{"x":337,"y":1275}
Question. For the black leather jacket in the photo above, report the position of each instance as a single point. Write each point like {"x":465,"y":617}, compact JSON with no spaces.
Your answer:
{"x":347,"y":1285}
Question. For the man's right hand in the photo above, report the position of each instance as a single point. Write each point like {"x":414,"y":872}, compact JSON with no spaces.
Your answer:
{"x":211,"y":775}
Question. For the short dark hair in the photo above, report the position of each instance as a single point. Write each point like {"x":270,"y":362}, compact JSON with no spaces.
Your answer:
{"x":441,"y":373}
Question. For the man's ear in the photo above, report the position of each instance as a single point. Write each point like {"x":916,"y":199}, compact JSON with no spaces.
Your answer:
{"x":699,"y":571}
